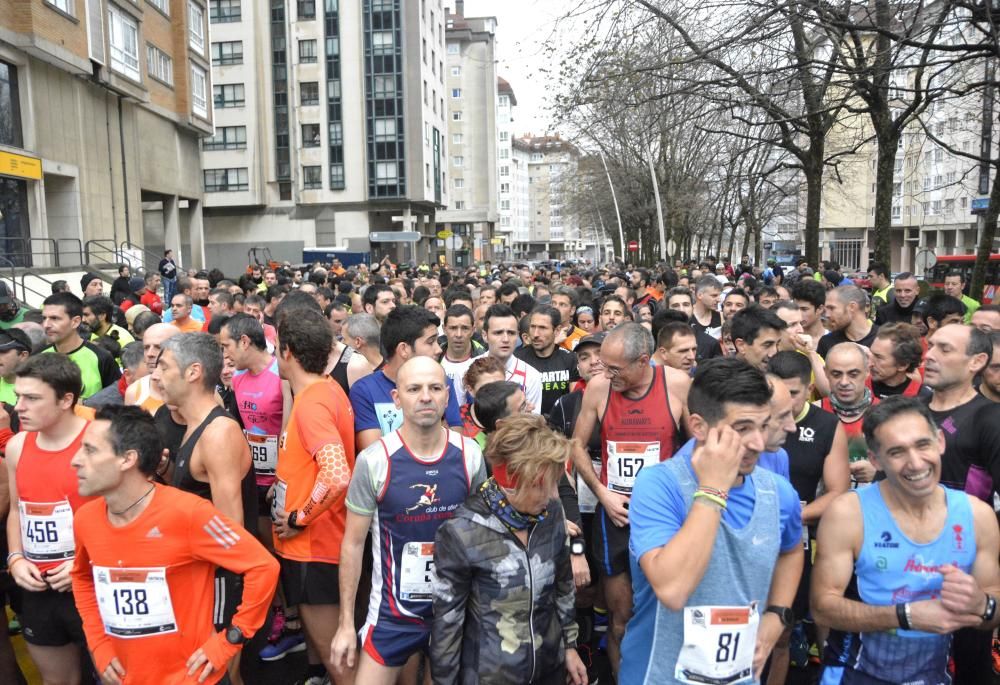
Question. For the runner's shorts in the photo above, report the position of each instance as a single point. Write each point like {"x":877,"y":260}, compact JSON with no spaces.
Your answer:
{"x":310,"y":582}
{"x":50,"y":619}
{"x":609,"y":544}
{"x":392,"y":645}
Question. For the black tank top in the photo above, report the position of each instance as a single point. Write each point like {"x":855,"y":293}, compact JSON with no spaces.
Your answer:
{"x":807,"y":450}
{"x":171,"y":432}
{"x":339,"y":371}
{"x":185,"y":481}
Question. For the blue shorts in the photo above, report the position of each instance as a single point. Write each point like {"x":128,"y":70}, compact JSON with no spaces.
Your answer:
{"x":392,"y":645}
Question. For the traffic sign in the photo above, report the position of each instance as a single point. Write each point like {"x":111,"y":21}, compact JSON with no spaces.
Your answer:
{"x":394,"y":237}
{"x":453,"y":243}
{"x":633,"y":246}
{"x":980,"y":205}
{"x":445,"y":234}
{"x":925,"y":261}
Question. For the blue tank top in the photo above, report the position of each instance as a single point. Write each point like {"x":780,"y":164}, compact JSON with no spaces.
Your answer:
{"x":891,"y":569}
{"x":739,"y":573}
{"x":417,"y":497}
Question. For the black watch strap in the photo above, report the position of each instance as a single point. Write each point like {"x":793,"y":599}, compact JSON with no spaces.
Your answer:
{"x":784,"y":613}
{"x":293,"y":521}
{"x":991,"y":609}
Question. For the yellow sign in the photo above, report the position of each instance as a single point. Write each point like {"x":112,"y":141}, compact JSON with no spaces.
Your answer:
{"x":496,"y":241}
{"x":445,"y":234}
{"x":20,"y":166}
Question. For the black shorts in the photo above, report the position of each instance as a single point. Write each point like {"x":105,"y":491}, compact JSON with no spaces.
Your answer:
{"x":263,"y":505}
{"x":310,"y":582}
{"x":228,"y":595}
{"x":609,"y":545}
{"x":50,"y":619}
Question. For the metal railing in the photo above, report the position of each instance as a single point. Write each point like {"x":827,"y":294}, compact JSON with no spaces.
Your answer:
{"x":5,"y":262}
{"x":151,"y":259}
{"x":25,"y":289}
{"x":27,"y":254}
{"x":77,"y":252}
{"x":96,"y":252}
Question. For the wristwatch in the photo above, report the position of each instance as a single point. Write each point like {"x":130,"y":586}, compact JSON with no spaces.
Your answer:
{"x":576,"y":546}
{"x":235,"y":636}
{"x":292,"y":521}
{"x":991,"y":609}
{"x":786,"y":615}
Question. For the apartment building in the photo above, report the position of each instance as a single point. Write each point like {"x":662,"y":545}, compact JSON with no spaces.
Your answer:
{"x":102,"y":105}
{"x":552,"y":230}
{"x":330,"y":127}
{"x":472,"y":88}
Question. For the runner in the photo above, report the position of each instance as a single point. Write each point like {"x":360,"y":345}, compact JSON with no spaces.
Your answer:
{"x":716,"y":542}
{"x":500,"y":328}
{"x":43,"y":501}
{"x":97,"y":314}
{"x":706,"y":317}
{"x":566,"y":300}
{"x":756,"y":333}
{"x":144,"y":393}
{"x":378,"y":300}
{"x":810,"y":296}
{"x":180,"y":307}
{"x":315,"y":460}
{"x":556,"y":366}
{"x":905,"y":563}
{"x":409,"y":331}
{"x":146,"y":558}
{"x":676,"y":347}
{"x":850,"y":398}
{"x":62,"y":314}
{"x":459,"y":347}
{"x":404,"y":487}
{"x":361,"y":334}
{"x":627,"y":402}
{"x":896,"y":354}
{"x":987,"y":318}
{"x":954,"y":285}
{"x":846,"y":310}
{"x":614,"y":312}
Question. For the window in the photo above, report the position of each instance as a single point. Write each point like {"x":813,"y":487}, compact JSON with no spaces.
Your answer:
{"x":504,"y":153}
{"x":312,"y":178}
{"x":459,"y":204}
{"x":938,"y":155}
{"x":504,"y":188}
{"x":225,"y":11}
{"x":385,"y":87}
{"x":383,"y":42}
{"x":196,"y":26}
{"x":307,"y":9}
{"x":64,"y":5}
{"x":456,"y":93}
{"x":458,"y":161}
{"x":456,"y":71}
{"x":226,"y":138}
{"x":504,"y":135}
{"x":459,"y":183}
{"x":307,"y":51}
{"x":897,"y":189}
{"x":124,"y":40}
{"x":454,"y":48}
{"x":159,"y":65}
{"x":537,"y":156}
{"x":949,"y":206}
{"x":456,"y":116}
{"x":309,"y":93}
{"x":199,"y":91}
{"x":895,"y":211}
{"x":505,"y":205}
{"x":385,"y":129}
{"x":935,"y":207}
{"x":10,"y":124}
{"x":229,"y":52}
{"x":963,"y":202}
{"x":162,"y":5}
{"x":226,"y":180}
{"x":504,"y":171}
{"x":284,"y":192}
{"x":385,"y":173}
{"x":311,"y":136}
{"x":229,"y":95}
{"x":456,"y":138}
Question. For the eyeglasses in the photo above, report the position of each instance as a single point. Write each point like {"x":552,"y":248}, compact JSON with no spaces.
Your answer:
{"x":615,"y":371}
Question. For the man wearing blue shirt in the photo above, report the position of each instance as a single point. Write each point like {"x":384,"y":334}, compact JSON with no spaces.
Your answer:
{"x":715,"y":546}
{"x":408,"y":331}
{"x":774,"y":457}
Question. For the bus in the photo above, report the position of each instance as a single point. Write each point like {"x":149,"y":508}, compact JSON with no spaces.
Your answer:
{"x":964,"y":264}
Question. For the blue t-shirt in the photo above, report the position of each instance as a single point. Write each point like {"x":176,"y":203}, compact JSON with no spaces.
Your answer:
{"x":197,"y":313}
{"x":775,"y":462}
{"x":657,"y":510}
{"x":371,"y":398}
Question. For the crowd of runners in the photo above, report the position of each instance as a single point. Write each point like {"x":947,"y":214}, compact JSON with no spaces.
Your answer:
{"x":700,"y":472}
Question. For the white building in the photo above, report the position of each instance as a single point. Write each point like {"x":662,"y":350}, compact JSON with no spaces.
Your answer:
{"x":552,"y":232}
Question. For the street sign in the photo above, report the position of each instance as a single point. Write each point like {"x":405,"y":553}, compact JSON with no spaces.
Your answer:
{"x":980,"y":205}
{"x":444,"y":234}
{"x":633,"y":246}
{"x":20,"y":166}
{"x":925,"y":261}
{"x":453,"y":243}
{"x":496,"y":241}
{"x":394,"y":237}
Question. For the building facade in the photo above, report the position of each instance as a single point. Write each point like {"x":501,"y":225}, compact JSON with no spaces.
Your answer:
{"x":102,"y":105}
{"x":331,"y":127}
{"x":552,"y":231}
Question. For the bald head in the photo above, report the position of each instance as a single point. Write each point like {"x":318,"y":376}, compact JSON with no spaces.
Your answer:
{"x":421,"y":394}
{"x":847,"y":370}
{"x":153,"y":339}
{"x":847,"y":354}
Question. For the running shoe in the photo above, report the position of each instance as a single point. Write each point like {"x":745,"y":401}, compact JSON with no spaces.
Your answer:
{"x":288,"y":643}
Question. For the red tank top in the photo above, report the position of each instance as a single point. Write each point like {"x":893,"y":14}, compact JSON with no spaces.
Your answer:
{"x":45,"y":477}
{"x":636,"y":433}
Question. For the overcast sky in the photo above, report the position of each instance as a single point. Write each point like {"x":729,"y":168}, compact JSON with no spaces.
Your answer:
{"x":522,"y":29}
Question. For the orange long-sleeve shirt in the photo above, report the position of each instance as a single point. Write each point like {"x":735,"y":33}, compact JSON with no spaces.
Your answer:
{"x":120,"y":573}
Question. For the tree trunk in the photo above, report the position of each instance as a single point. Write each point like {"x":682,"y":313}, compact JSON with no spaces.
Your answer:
{"x":884,"y":177}
{"x":813,"y":171}
{"x":986,"y":241}
{"x":732,"y":242}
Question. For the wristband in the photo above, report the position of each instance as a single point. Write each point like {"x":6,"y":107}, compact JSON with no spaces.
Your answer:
{"x":11,"y":565}
{"x":12,"y":555}
{"x":721,"y":494}
{"x":710,"y":499}
{"x":903,"y":616}
{"x":991,"y":609}
{"x":293,"y":521}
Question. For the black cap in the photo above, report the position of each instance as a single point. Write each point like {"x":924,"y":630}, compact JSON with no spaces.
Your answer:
{"x":86,"y":279}
{"x":592,"y":339}
{"x":14,"y":339}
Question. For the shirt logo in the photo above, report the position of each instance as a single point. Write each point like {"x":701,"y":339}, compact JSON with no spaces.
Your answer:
{"x":806,"y":434}
{"x":886,"y":541}
{"x":428,"y":498}
{"x":154,"y":532}
{"x":959,"y":540}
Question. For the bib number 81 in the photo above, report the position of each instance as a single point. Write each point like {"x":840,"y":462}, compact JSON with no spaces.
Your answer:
{"x":729,"y":645}
{"x":131,"y":602}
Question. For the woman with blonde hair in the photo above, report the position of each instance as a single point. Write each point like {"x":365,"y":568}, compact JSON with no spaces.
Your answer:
{"x":503,"y":593}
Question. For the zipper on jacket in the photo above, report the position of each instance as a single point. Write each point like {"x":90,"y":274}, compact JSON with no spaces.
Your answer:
{"x":531,"y":611}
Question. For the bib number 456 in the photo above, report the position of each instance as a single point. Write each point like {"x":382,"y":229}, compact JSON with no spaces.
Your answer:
{"x":42,"y":531}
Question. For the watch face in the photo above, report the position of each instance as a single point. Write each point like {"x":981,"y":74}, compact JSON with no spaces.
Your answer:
{"x":576,"y":547}
{"x":234,"y":636}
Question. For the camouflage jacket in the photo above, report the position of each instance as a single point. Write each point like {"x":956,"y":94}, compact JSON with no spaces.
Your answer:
{"x":503,"y":614}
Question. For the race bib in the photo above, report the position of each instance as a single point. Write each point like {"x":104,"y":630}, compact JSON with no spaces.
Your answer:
{"x":626,"y":459}
{"x":47,"y":531}
{"x":278,"y":503}
{"x":417,"y":572}
{"x":264,"y":450}
{"x":585,"y":496}
{"x":718,"y":645}
{"x":134,"y":602}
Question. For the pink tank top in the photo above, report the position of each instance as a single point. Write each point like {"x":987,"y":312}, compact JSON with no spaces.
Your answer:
{"x":261,"y":405}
